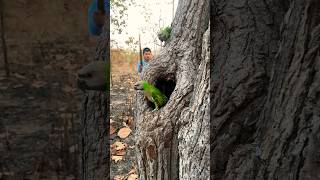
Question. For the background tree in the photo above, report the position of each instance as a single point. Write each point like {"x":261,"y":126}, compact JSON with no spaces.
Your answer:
{"x":119,"y":15}
{"x":265,"y":89}
{"x":94,"y":148}
{"x":3,"y":38}
{"x":96,"y":105}
{"x":173,"y":143}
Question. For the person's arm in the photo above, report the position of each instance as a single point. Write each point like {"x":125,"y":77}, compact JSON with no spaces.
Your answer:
{"x":140,"y":66}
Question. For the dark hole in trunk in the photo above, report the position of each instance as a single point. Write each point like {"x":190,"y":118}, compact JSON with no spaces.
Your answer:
{"x":150,"y":104}
{"x":166,"y":86}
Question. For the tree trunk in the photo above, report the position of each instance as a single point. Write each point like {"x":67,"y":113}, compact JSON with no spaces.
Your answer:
{"x":265,"y":90}
{"x":3,"y":39}
{"x":95,"y":122}
{"x":173,"y":143}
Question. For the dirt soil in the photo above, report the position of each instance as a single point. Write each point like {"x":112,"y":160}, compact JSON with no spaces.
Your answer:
{"x":122,"y":98}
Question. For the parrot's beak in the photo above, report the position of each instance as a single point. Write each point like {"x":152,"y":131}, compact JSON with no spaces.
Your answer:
{"x":81,"y":81}
{"x":137,"y":86}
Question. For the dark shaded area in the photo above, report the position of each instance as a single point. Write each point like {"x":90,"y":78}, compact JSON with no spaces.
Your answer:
{"x":95,"y":157}
{"x":166,"y":85}
{"x":150,"y":104}
{"x":39,"y":103}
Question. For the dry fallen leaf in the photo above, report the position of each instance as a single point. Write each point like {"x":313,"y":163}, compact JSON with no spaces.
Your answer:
{"x":118,"y":177}
{"x":121,"y":152}
{"x":117,"y":158}
{"x":120,"y":145}
{"x":133,"y":177}
{"x":124,"y":132}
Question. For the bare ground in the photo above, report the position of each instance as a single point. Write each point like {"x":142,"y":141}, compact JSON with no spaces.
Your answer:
{"x":122,"y":95}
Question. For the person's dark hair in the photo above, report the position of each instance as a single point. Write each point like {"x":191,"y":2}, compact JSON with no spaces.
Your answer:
{"x":102,"y":5}
{"x":146,"y":50}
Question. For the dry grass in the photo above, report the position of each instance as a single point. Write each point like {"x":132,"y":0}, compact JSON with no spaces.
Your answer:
{"x":123,"y":62}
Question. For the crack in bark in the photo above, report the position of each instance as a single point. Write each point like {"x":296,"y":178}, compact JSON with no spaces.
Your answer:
{"x":302,"y":159}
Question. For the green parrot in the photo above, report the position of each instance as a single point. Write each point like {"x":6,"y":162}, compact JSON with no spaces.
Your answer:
{"x":94,"y":76}
{"x":152,"y":93}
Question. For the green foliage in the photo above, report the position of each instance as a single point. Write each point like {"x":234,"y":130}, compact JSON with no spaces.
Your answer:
{"x":164,"y":34}
{"x":119,"y":14}
{"x":132,"y":44}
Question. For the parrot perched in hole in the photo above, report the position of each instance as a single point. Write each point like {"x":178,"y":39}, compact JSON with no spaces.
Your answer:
{"x":94,"y":76}
{"x":152,"y":93}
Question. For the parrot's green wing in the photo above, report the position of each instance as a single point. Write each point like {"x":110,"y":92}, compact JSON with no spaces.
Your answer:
{"x":154,"y":95}
{"x":159,"y":98}
{"x":149,"y":96}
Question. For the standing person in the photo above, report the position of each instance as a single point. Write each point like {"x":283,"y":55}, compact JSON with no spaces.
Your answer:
{"x":96,"y":16}
{"x":147,"y":57}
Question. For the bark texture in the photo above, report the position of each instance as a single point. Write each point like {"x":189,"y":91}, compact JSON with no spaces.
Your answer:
{"x":95,"y":122}
{"x":265,"y":84}
{"x":95,"y":151}
{"x":173,"y":143}
{"x":3,"y":38}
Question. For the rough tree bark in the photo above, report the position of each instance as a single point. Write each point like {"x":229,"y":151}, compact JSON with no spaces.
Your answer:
{"x":173,"y":143}
{"x":265,"y":89}
{"x":3,"y":38}
{"x":94,"y":158}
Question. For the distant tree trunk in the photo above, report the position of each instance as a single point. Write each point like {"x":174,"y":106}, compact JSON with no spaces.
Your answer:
{"x":3,"y":39}
{"x":173,"y":143}
{"x":95,"y":122}
{"x":172,"y":9}
{"x":265,"y":86}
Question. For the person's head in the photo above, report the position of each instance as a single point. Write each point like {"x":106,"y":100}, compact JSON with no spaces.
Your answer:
{"x":98,"y":18}
{"x":147,"y":55}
